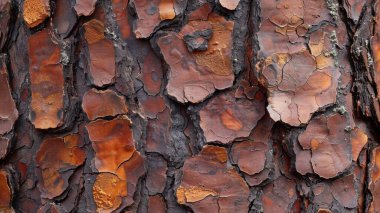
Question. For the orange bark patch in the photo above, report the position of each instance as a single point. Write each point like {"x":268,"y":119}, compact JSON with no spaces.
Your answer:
{"x":108,"y":191}
{"x":200,"y":73}
{"x":112,"y":142}
{"x":166,"y":9}
{"x":358,"y":140}
{"x":5,"y":193}
{"x":57,"y":158}
{"x":47,"y":83}
{"x":35,"y":11}
{"x":208,"y":183}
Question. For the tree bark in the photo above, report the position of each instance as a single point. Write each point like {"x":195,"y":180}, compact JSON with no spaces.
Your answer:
{"x":189,"y":106}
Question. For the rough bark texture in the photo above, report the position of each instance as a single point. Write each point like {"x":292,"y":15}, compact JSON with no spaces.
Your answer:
{"x":189,"y":106}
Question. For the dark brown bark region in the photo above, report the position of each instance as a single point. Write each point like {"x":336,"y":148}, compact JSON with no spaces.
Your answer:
{"x":189,"y":106}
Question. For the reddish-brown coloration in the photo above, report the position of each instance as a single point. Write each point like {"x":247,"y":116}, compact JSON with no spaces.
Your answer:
{"x":57,"y":158}
{"x":152,"y":73}
{"x":85,"y":7}
{"x":354,"y":8}
{"x":374,"y":183}
{"x":36,"y":11}
{"x":158,"y":132}
{"x":118,"y":161}
{"x":120,"y":8}
{"x":47,"y":83}
{"x":226,"y":118}
{"x":156,"y":176}
{"x":358,"y":140}
{"x":160,"y":106}
{"x":299,"y":82}
{"x":5,"y":193}
{"x":151,"y":106}
{"x":209,"y":185}
{"x":148,"y":17}
{"x":194,"y":77}
{"x":4,"y":147}
{"x":112,"y":142}
{"x":329,"y":145}
{"x":156,"y":204}
{"x":101,"y":54}
{"x":98,"y":104}
{"x":8,"y":111}
{"x":279,"y":196}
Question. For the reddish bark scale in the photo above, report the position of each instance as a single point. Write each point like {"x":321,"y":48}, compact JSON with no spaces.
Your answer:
{"x":5,"y":193}
{"x":327,"y":145}
{"x":118,"y":161}
{"x":226,"y":118}
{"x":189,"y":106}
{"x":101,"y":54}
{"x":201,"y":73}
{"x":209,"y":185}
{"x":57,"y":158}
{"x":8,"y":111}
{"x":47,"y":83}
{"x":98,"y":104}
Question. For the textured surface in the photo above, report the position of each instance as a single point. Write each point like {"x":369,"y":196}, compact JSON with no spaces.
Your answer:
{"x":189,"y":106}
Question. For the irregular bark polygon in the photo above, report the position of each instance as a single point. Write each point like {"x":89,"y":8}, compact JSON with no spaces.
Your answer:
{"x":57,"y":159}
{"x":209,"y":184}
{"x":6,"y":193}
{"x":225,"y":118}
{"x":47,"y":82}
{"x":8,"y":110}
{"x":200,"y":73}
{"x":327,"y":145}
{"x":151,"y":13}
{"x":36,"y":11}
{"x":299,"y":82}
{"x":102,"y":68}
{"x":116,"y":159}
{"x":99,"y":104}
{"x":279,"y":196}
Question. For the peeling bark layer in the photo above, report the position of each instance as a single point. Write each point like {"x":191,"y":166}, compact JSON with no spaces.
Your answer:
{"x":189,"y":106}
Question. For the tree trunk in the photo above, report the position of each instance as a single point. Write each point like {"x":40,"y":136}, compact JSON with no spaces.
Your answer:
{"x":189,"y":106}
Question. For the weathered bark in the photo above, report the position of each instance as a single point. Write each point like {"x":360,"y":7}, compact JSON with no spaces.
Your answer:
{"x":189,"y":106}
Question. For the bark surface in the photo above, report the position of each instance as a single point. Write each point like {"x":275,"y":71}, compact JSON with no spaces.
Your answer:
{"x":189,"y":106}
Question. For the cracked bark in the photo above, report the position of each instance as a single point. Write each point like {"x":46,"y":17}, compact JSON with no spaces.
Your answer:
{"x":189,"y":106}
